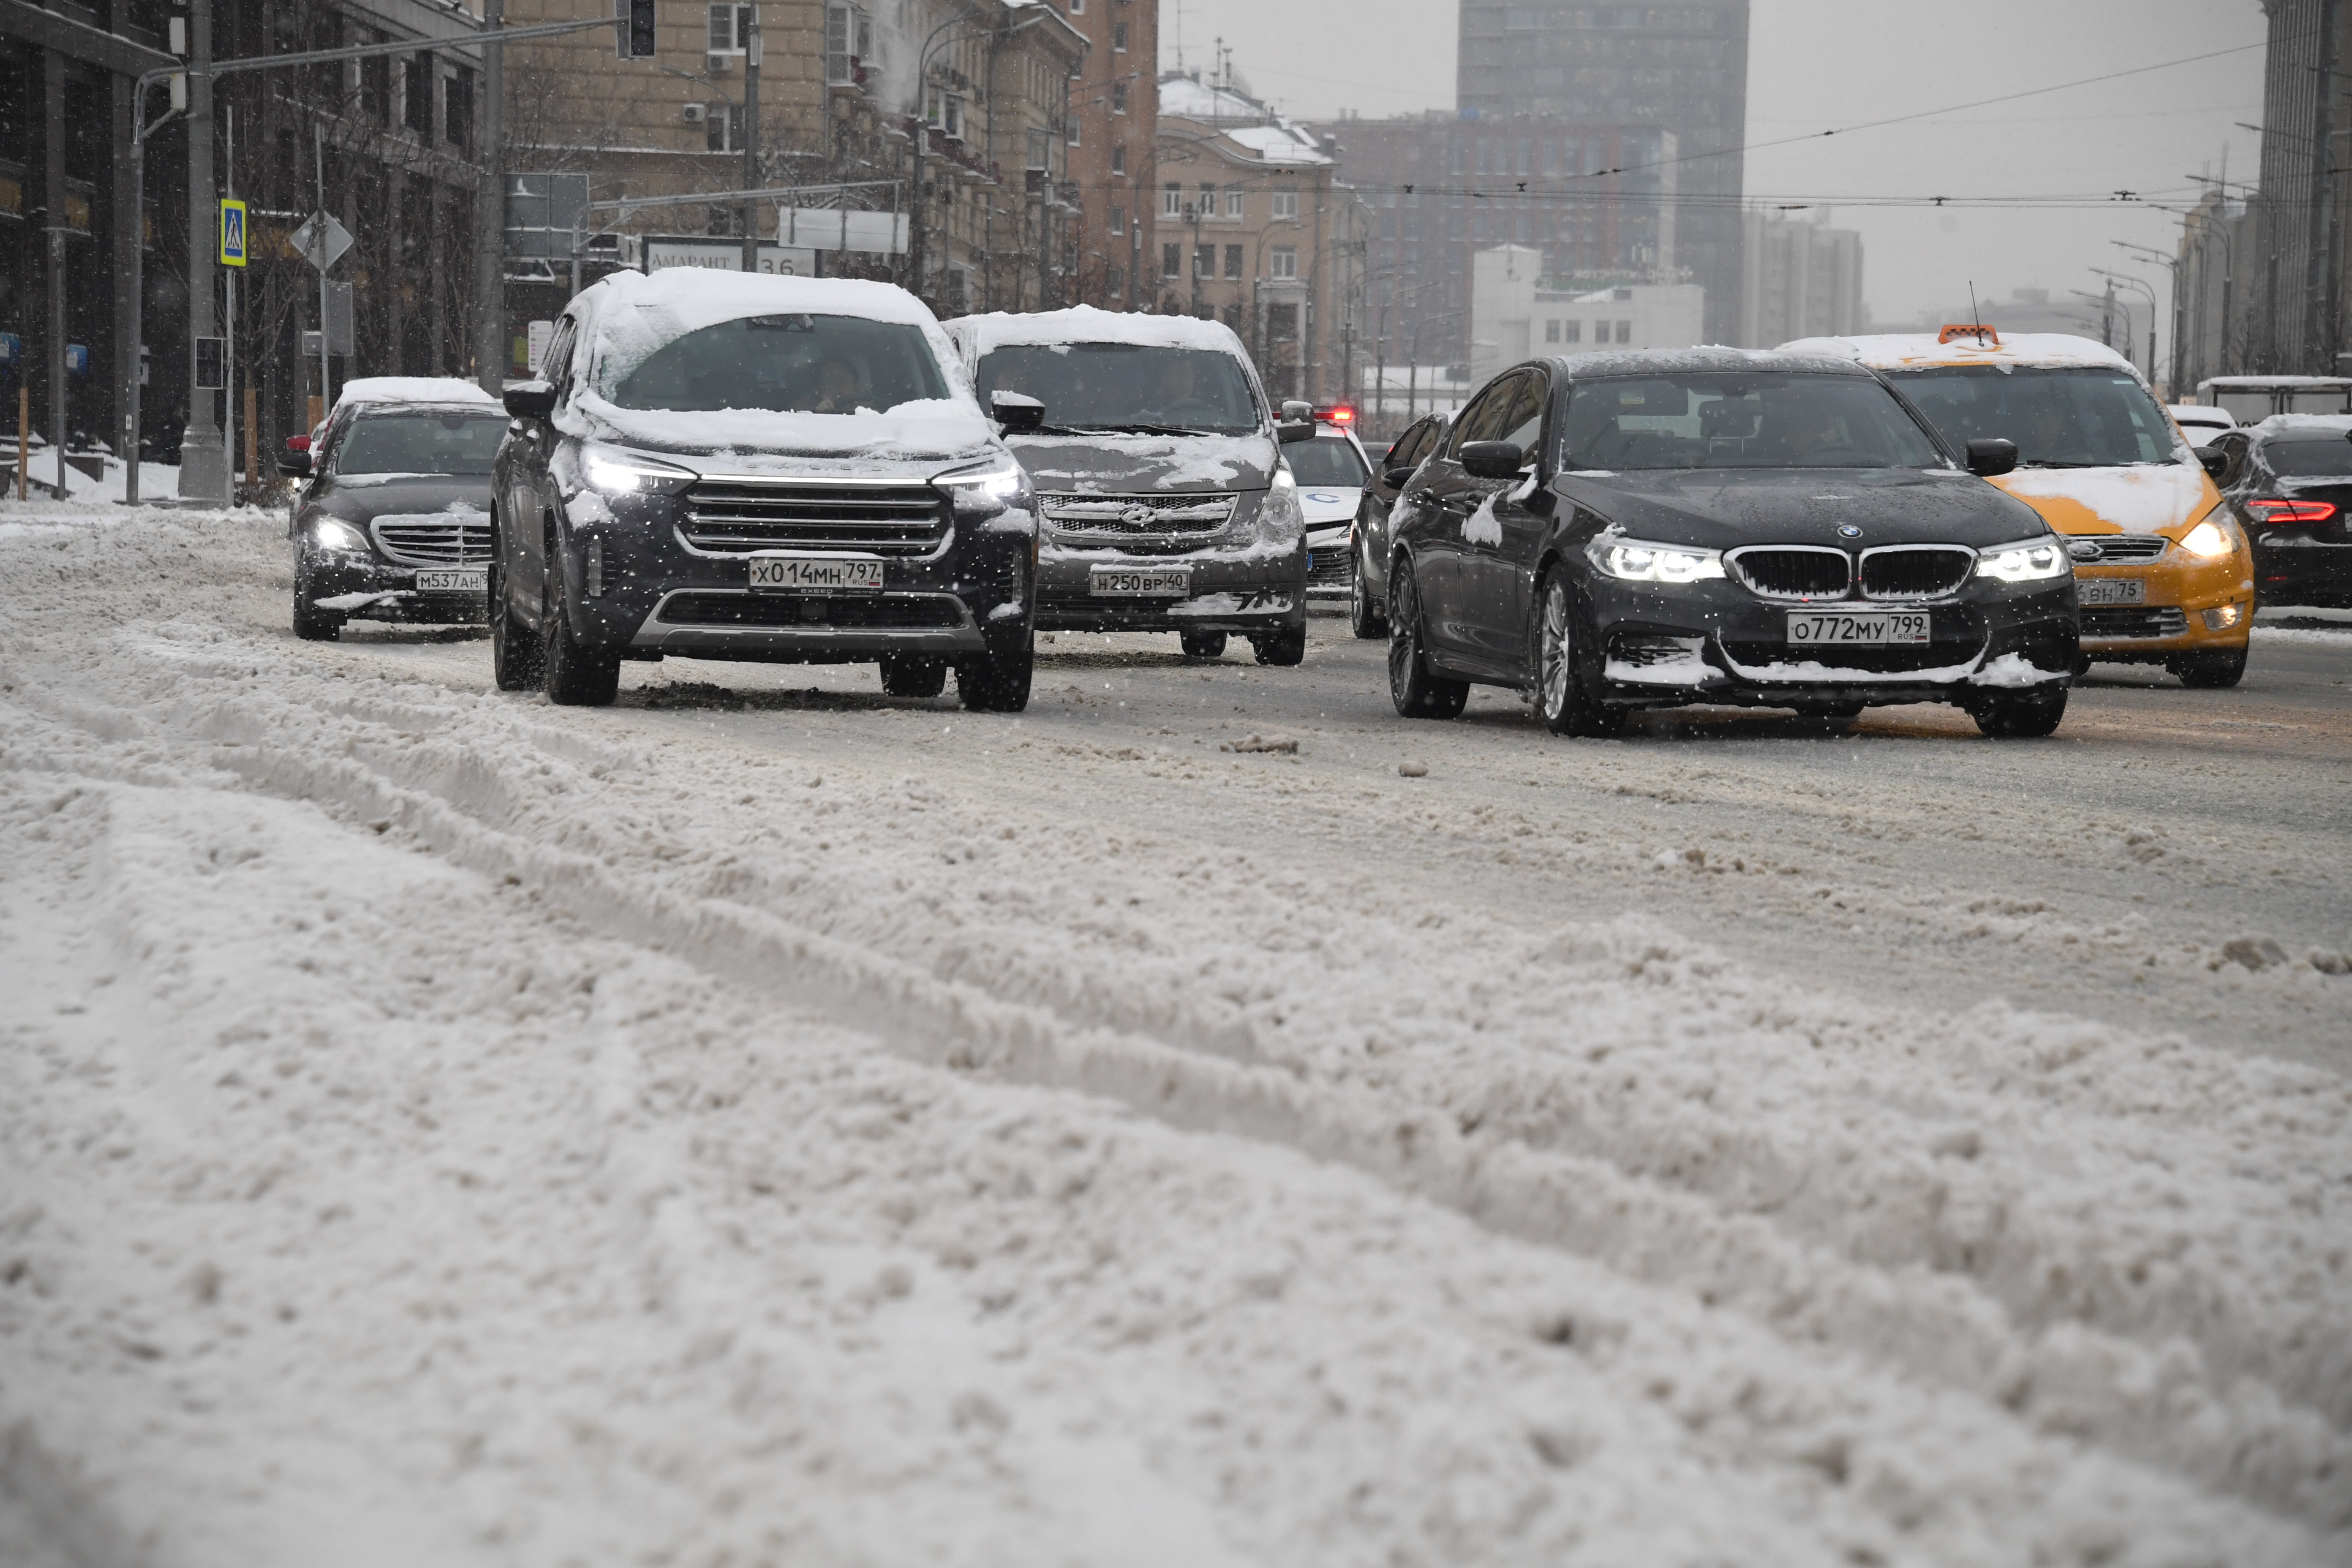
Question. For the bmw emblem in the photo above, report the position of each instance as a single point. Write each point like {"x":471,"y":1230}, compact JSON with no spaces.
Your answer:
{"x":1848,"y":530}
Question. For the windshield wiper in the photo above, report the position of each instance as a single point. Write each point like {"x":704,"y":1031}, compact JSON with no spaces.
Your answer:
{"x":2054,"y":463}
{"x":1131,"y":428}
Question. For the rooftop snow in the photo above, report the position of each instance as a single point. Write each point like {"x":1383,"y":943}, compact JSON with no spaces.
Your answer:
{"x":1086,"y":324}
{"x":1903,"y":351}
{"x":412,"y":389}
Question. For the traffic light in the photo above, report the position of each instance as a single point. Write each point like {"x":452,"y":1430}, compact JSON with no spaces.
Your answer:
{"x":633,"y":21}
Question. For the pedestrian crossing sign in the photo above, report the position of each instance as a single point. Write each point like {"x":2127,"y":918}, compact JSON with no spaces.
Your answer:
{"x":232,"y":234}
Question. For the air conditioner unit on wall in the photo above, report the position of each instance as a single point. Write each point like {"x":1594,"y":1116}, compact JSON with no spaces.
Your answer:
{"x":695,"y":113}
{"x":719,"y":64}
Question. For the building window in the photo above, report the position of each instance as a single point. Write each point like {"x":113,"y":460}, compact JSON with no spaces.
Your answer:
{"x":1041,"y":147}
{"x":1286,"y":201}
{"x":1118,"y":157}
{"x":1078,"y":7}
{"x":1208,"y":201}
{"x":1204,"y":261}
{"x":1171,"y":201}
{"x":1119,"y":220}
{"x":1624,"y":332}
{"x":457,"y":108}
{"x":1233,"y":262}
{"x":1074,"y":131}
{"x":1551,"y":332}
{"x":1285,"y":261}
{"x":1171,"y":261}
{"x":731,"y":28}
{"x":848,"y":39}
{"x":418,"y":106}
{"x":1118,"y":98}
{"x":1115,"y":280}
{"x":1119,"y":38}
{"x":1233,"y":201}
{"x":722,"y":128}
{"x":944,"y":112}
{"x":1574,"y":330}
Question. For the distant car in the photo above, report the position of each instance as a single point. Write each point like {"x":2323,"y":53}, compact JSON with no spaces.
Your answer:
{"x":786,"y":470}
{"x":392,"y":521}
{"x":1368,"y":592}
{"x":1163,"y":503}
{"x":2201,"y":422}
{"x":1332,"y":471}
{"x":1646,"y":529}
{"x":2289,"y":481}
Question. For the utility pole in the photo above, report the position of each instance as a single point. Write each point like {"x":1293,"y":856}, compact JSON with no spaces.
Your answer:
{"x":204,"y":462}
{"x":54,"y":177}
{"x":490,"y":351}
{"x":751,"y":181}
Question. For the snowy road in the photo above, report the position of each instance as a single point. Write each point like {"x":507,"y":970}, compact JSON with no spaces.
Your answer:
{"x":763,"y":1123}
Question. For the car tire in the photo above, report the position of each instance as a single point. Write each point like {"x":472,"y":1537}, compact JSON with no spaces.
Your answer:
{"x":310,"y":622}
{"x":2208,"y":670}
{"x":998,"y":680}
{"x":2029,"y":717}
{"x":910,"y":675}
{"x":1202,"y":644}
{"x":1416,"y":692}
{"x":572,"y":676}
{"x":1285,"y":649}
{"x":1565,"y":699}
{"x":1364,"y":618}
{"x":514,"y":649}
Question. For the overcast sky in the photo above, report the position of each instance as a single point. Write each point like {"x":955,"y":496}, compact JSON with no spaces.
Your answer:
{"x":1815,"y":65}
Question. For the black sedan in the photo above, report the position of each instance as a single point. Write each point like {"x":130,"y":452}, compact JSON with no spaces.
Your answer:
{"x":1368,"y":587}
{"x":394,"y":521}
{"x":2289,"y":481}
{"x":1646,"y":530}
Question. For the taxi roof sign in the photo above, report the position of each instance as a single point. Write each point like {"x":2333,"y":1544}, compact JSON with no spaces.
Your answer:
{"x":1985,"y":336}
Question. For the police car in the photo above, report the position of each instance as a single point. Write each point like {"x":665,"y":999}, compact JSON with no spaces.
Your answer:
{"x":1332,"y":470}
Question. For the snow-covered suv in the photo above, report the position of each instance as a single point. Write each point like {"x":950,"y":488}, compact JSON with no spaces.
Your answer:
{"x":1162,"y":498}
{"x":784,"y":469}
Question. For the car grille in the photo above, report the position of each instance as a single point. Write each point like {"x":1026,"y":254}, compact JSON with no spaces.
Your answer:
{"x":1916,"y":571}
{"x":736,"y":517}
{"x":1328,"y":567}
{"x":882,"y":611}
{"x":2135,"y":620}
{"x":445,"y":541}
{"x":1126,"y":516}
{"x":1794,"y":572}
{"x":2110,"y":549}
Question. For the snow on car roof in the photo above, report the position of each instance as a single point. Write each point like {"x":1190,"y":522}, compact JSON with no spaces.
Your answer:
{"x":1676,"y":361}
{"x":2302,"y":425}
{"x":1909,"y":350}
{"x":435,"y":389}
{"x":1086,"y":324}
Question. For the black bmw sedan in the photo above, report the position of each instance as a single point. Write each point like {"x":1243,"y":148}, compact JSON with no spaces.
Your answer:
{"x":1646,"y":530}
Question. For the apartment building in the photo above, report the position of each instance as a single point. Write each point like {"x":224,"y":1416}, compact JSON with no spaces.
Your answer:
{"x":1681,"y":69}
{"x":1114,"y":125}
{"x":1256,"y":231}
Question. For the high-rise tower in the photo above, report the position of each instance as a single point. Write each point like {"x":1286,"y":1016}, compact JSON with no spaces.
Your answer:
{"x":1680,"y":67}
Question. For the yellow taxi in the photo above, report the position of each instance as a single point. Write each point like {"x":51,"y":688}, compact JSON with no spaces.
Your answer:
{"x":2163,"y":573}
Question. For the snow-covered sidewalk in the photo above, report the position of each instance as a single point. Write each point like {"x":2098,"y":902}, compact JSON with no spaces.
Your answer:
{"x":435,"y":1126}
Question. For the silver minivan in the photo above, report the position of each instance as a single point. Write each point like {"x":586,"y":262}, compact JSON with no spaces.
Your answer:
{"x":1163,"y":503}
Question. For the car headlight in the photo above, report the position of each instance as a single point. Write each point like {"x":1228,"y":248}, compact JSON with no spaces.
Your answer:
{"x":2206,"y":540}
{"x":991,"y":487}
{"x":1632,"y":561}
{"x":615,"y":472}
{"x":1282,"y":518}
{"x":2027,"y":560}
{"x":334,"y":533}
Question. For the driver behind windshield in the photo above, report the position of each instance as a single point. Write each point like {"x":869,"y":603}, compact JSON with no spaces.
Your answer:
{"x":1125,"y":387}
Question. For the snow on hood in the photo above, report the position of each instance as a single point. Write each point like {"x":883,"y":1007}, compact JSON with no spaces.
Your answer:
{"x":630,"y":315}
{"x":438,"y":389}
{"x":1108,"y":464}
{"x":2146,"y":499}
{"x":1917,"y":351}
{"x":980,"y":335}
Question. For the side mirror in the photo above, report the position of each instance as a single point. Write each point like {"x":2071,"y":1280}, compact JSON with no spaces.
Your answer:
{"x":2217,"y":461}
{"x":1991,"y":459}
{"x":1016,"y":415}
{"x":1492,"y":459}
{"x":1297,"y":409}
{"x":1290,"y":434}
{"x":531,"y":399}
{"x":296,"y":465}
{"x":1396,"y":477}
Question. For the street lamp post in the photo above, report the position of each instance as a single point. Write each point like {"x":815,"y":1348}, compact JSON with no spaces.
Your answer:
{"x":750,"y":217}
{"x":2179,"y":313}
{"x":203,"y":461}
{"x":2146,"y":287}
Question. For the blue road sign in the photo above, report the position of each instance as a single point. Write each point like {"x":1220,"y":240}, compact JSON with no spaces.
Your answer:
{"x":232,"y":234}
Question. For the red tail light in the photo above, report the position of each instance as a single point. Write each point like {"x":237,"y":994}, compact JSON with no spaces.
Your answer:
{"x":2278,"y":512}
